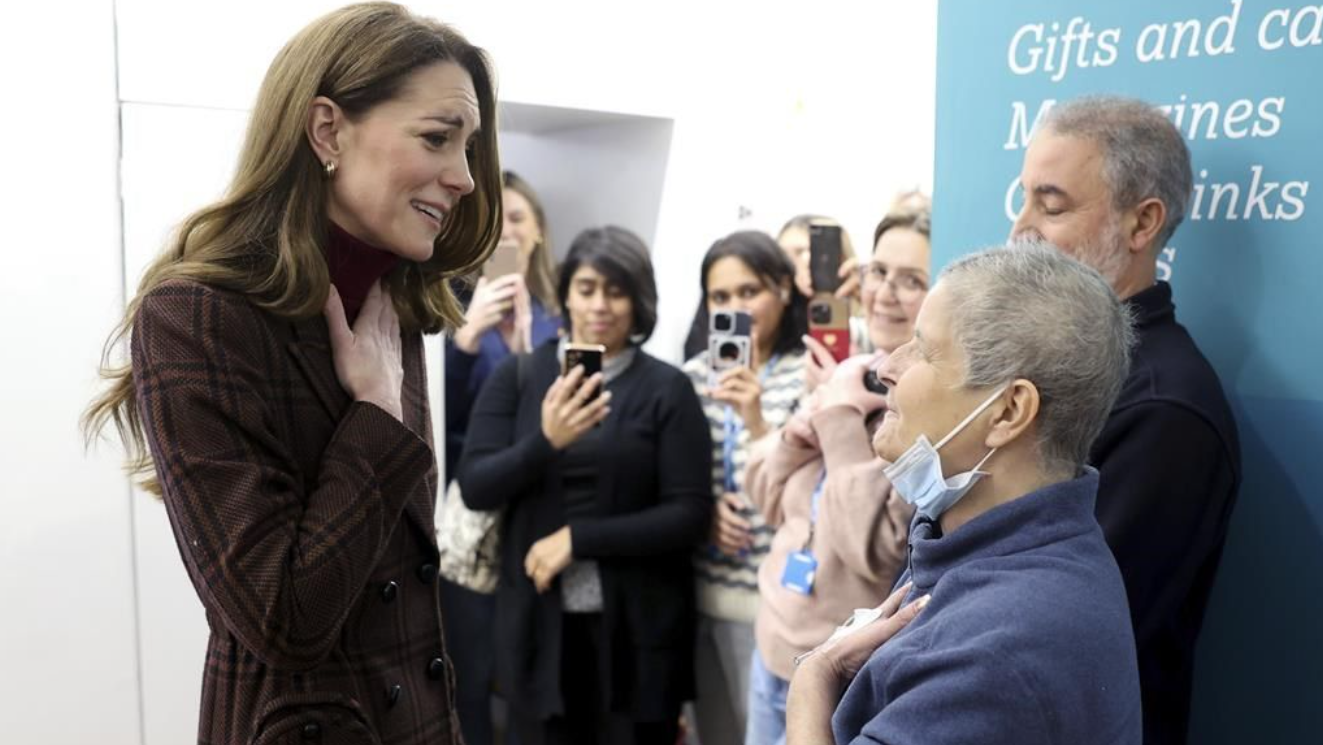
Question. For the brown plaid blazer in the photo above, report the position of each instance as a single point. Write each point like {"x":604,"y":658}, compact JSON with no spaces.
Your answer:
{"x":306,"y":522}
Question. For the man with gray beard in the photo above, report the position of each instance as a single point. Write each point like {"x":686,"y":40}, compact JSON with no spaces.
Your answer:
{"x":1107,"y":180}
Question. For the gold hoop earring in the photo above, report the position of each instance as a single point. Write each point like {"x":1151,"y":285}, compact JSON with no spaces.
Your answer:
{"x":329,"y":167}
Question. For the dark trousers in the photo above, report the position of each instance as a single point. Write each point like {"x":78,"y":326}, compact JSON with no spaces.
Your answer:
{"x":587,"y":720}
{"x":470,"y":622}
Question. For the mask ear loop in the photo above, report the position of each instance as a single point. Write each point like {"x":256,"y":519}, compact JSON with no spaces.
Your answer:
{"x":974,"y":414}
{"x":979,"y":467}
{"x":954,"y":481}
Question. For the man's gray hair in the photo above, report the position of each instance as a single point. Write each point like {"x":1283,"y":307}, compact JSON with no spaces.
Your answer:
{"x":1029,"y":311}
{"x":1144,"y":154}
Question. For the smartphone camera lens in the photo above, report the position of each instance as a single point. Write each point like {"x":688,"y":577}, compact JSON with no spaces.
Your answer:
{"x":728,"y":351}
{"x":820,"y":313}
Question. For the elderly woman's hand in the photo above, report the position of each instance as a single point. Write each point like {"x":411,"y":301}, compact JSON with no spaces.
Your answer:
{"x":844,"y":656}
{"x":823,"y":674}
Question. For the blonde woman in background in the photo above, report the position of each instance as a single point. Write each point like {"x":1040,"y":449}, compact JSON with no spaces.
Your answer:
{"x":794,"y":240}
{"x":508,"y":315}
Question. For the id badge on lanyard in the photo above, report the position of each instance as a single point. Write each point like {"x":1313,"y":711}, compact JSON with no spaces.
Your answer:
{"x":802,"y":566}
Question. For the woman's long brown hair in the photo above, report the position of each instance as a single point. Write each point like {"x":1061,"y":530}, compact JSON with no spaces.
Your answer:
{"x":265,"y":237}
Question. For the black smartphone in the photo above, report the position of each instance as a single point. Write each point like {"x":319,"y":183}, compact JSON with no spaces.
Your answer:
{"x":825,"y":257}
{"x":587,"y":355}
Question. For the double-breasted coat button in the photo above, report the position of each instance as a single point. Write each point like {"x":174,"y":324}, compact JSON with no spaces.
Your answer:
{"x":436,"y":668}
{"x":389,"y":591}
{"x":427,"y":573}
{"x":393,"y":695}
{"x":311,"y":731}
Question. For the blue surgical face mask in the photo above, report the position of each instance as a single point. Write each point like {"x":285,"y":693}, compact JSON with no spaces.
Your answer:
{"x":917,"y":473}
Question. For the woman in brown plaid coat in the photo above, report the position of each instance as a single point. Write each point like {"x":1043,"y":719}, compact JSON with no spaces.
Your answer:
{"x":277,"y":389}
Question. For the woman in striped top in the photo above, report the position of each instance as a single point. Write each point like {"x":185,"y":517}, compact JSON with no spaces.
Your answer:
{"x":748,"y":272}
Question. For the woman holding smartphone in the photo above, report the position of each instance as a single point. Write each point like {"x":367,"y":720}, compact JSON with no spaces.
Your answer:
{"x":744,"y":272}
{"x":793,"y":239}
{"x":511,"y":309}
{"x":604,"y":483}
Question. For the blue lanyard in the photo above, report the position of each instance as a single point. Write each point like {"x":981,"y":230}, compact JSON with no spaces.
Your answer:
{"x":813,"y":514}
{"x":731,"y":432}
{"x":817,"y":497}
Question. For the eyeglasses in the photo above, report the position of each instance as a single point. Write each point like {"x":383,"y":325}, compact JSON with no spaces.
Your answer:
{"x":904,"y":284}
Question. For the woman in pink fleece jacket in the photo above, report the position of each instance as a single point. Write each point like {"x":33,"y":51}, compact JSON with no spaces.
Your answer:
{"x":841,"y":533}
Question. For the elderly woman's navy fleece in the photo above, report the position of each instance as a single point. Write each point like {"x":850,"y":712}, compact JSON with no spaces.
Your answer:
{"x":1027,"y":638}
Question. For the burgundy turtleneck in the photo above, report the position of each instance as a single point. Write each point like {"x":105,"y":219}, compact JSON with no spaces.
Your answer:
{"x":354,"y":267}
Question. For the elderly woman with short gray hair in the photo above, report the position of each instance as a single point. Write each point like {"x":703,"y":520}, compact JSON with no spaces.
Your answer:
{"x":1010,"y":623}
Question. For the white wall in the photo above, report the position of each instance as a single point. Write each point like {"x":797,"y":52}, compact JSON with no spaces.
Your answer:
{"x":68,"y":657}
{"x":594,"y":174}
{"x":774,"y":111}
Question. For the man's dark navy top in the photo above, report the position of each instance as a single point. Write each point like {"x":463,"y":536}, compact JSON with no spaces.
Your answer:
{"x":1170,"y":462}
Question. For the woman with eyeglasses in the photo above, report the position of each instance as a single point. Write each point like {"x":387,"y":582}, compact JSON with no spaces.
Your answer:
{"x":840,"y":529}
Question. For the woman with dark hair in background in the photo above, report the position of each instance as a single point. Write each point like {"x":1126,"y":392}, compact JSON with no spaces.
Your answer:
{"x":277,"y":381}
{"x":747,"y":272}
{"x":508,"y":314}
{"x":793,"y":238}
{"x":604,"y":483}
